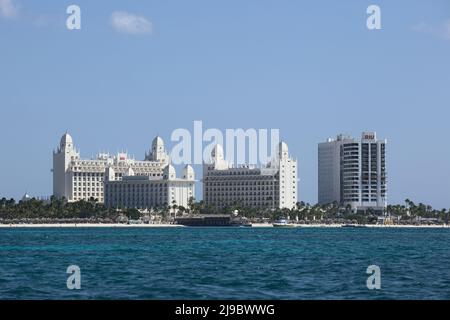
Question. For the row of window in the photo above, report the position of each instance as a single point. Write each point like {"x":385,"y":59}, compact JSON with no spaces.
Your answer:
{"x":88,"y":184}
{"x":88,"y":174}
{"x":262,"y":188}
{"x":246,"y":183}
{"x":84,"y":195}
{"x":87,"y":189}
{"x":233,"y":178}
{"x":122,"y":186}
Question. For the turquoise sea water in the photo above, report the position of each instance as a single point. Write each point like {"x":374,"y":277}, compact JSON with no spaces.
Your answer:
{"x":224,"y":263}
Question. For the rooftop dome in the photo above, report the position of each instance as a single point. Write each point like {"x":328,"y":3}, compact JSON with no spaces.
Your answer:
{"x":66,"y":141}
{"x":217,"y":152}
{"x":283,"y":150}
{"x":284,"y":147}
{"x":170,"y":172}
{"x":26,"y":197}
{"x":188,"y":173}
{"x":158,"y":151}
{"x":158,"y":141}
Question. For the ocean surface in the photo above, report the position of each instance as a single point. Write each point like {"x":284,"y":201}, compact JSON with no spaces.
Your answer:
{"x":224,"y":263}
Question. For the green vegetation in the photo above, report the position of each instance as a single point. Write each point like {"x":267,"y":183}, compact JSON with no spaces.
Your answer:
{"x":60,"y":210}
{"x":333,"y":213}
{"x":413,"y":212}
{"x":56,"y":210}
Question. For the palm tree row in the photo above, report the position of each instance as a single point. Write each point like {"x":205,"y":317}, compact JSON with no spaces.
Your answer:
{"x":303,"y":212}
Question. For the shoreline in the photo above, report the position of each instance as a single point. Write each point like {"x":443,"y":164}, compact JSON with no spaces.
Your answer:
{"x":89,"y":225}
{"x":166,"y":225}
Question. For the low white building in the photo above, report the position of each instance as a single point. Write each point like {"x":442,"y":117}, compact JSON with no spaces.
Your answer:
{"x":77,"y":179}
{"x":271,"y":186}
{"x":147,"y":192}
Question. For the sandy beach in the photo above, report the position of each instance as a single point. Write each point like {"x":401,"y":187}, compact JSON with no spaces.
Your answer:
{"x":90,"y":225}
{"x":318,"y":225}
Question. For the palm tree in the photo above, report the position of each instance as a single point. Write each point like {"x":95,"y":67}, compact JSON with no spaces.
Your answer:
{"x":442,"y":214}
{"x":348,"y":209}
{"x":200,"y":207}
{"x":191,"y":205}
{"x":165,"y":211}
{"x":3,"y":202}
{"x":174,"y":208}
{"x":407,"y":202}
{"x":181,"y":209}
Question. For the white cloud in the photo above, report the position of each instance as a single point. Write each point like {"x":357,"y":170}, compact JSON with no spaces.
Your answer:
{"x":442,"y":30}
{"x":129,"y":23}
{"x":8,"y":9}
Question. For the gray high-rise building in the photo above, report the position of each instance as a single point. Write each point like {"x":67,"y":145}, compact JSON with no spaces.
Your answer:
{"x":353,"y":172}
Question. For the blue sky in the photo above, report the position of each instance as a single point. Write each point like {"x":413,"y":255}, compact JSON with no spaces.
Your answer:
{"x":310,"y":68}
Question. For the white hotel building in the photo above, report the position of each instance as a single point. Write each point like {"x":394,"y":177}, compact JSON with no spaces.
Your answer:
{"x":270,"y":186}
{"x":145,"y":192}
{"x":353,"y":172}
{"x":77,"y":179}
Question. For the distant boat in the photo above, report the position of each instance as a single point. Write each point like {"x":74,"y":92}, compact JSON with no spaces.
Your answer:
{"x":282,"y":223}
{"x":245,"y":225}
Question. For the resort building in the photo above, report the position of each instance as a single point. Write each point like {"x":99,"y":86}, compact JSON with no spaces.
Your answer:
{"x":353,"y":172}
{"x":77,"y":179}
{"x":146,"y":192}
{"x":271,"y":186}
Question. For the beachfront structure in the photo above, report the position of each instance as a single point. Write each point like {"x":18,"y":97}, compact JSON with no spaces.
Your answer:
{"x":352,"y":172}
{"x":270,"y":186}
{"x":77,"y":179}
{"x":147,"y":192}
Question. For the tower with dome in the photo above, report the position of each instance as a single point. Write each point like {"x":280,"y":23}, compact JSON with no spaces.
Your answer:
{"x":270,"y":186}
{"x":76,"y":178}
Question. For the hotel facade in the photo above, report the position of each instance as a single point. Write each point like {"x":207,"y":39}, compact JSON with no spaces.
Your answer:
{"x":271,"y":186}
{"x":145,"y":192}
{"x":77,"y":179}
{"x":352,"y":172}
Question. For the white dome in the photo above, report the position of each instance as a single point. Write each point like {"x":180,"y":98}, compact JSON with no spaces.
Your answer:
{"x":66,"y":140}
{"x":188,"y":173}
{"x":158,"y":141}
{"x":283,"y":150}
{"x":217,"y":152}
{"x":158,"y":151}
{"x":170,"y":172}
{"x":283,"y":147}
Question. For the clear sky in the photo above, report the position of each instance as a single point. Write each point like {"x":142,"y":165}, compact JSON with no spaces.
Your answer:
{"x":310,"y":68}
